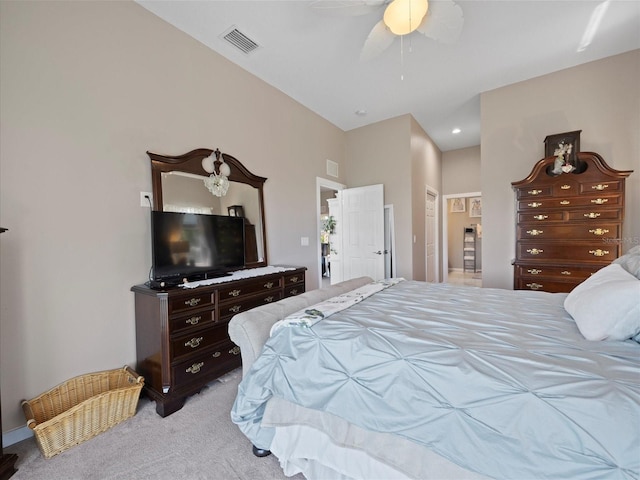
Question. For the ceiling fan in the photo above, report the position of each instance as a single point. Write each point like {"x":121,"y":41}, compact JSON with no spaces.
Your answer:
{"x":440,"y":20}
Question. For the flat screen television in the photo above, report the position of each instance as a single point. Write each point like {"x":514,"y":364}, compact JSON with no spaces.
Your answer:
{"x":194,"y":247}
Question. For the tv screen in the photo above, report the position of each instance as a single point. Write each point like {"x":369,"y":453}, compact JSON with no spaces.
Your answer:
{"x":194,"y":246}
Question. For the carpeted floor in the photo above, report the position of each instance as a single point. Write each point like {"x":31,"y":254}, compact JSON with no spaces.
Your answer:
{"x":197,"y":442}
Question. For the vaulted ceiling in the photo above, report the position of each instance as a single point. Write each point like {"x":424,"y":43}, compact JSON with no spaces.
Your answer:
{"x":312,"y":53}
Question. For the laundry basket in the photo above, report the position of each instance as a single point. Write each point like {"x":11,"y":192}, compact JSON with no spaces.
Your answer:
{"x":82,"y":407}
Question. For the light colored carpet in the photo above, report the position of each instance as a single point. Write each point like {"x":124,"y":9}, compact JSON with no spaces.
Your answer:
{"x":197,"y":442}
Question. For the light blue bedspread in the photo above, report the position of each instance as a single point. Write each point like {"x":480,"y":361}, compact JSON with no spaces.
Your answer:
{"x":498,"y":381}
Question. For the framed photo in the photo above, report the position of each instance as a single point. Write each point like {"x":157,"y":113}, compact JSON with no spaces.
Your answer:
{"x":235,"y":211}
{"x":553,"y":142}
{"x":457,"y":205}
{"x":475,"y":206}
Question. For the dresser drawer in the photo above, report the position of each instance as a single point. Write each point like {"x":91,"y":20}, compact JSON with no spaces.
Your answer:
{"x":293,"y":290}
{"x":292,"y":278}
{"x":229,"y":308}
{"x":546,"y":285}
{"x":597,"y":187}
{"x":197,"y":341}
{"x":594,"y":214}
{"x":540,"y":217}
{"x":598,"y":252}
{"x":193,"y":319}
{"x":567,"y":273}
{"x":258,"y":286}
{"x":193,"y":300}
{"x":566,"y":232}
{"x":214,"y":361}
{"x":534,"y":192}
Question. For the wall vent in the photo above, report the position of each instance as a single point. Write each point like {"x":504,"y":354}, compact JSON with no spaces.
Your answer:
{"x":332,"y":168}
{"x":239,"y":40}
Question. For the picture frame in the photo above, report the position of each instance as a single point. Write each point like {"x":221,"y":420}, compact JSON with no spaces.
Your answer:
{"x":475,"y":206}
{"x":552,"y":142}
{"x":235,"y":211}
{"x":458,"y":205}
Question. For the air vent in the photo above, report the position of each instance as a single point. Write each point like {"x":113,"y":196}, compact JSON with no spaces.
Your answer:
{"x":239,"y":40}
{"x":332,"y":168}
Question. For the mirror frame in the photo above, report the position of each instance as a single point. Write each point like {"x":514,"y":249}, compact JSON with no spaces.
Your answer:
{"x":191,"y":162}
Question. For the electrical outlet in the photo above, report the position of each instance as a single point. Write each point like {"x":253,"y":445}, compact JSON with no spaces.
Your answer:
{"x":146,"y":199}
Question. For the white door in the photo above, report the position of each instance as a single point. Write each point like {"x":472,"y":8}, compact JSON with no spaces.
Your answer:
{"x":362,"y":232}
{"x":430,"y":227}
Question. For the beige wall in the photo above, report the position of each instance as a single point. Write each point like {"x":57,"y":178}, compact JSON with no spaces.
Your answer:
{"x":86,"y":88}
{"x":600,"y":98}
{"x":400,"y":155}
{"x":461,"y":171}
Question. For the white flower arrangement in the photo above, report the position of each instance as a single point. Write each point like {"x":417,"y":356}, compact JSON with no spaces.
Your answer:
{"x":561,"y":164}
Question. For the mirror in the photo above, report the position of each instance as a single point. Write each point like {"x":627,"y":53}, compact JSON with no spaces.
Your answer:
{"x":178,"y":186}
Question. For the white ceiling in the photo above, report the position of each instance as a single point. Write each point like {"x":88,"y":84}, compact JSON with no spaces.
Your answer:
{"x":313,"y":57}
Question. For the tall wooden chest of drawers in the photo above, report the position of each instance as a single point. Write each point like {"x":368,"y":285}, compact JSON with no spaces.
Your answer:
{"x":182,"y":341}
{"x":569,"y":225}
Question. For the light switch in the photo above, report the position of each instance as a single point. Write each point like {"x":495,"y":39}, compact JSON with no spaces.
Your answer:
{"x":304,"y":241}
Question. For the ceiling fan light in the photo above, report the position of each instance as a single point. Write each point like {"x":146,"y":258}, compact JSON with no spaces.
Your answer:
{"x":404,"y":16}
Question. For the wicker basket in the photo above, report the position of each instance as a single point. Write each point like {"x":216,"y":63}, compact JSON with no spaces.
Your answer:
{"x":82,"y":407}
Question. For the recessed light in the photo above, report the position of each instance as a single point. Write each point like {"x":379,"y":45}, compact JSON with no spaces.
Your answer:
{"x":361,"y":113}
{"x":456,"y":131}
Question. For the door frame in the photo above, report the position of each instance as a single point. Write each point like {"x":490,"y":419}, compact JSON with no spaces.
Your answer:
{"x":322,"y":182}
{"x":445,"y":230}
{"x":430,"y":190}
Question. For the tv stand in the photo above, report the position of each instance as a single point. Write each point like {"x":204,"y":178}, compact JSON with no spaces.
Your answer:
{"x":182,"y":342}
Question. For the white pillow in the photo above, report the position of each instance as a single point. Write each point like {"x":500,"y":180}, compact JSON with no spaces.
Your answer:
{"x":630,"y":261}
{"x":606,"y":306}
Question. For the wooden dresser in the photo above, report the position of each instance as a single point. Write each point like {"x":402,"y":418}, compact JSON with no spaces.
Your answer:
{"x":182,"y":342}
{"x":569,"y":225}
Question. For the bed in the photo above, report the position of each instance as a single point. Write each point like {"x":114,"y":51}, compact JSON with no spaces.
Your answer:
{"x":406,"y":379}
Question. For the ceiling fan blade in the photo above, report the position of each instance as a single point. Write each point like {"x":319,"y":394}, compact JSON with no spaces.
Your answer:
{"x":346,"y":8}
{"x":443,"y":21}
{"x":379,"y":39}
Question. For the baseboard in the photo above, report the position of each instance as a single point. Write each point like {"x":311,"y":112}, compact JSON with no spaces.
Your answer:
{"x":16,"y":435}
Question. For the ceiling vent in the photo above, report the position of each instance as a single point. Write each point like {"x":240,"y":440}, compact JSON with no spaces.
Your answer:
{"x":239,"y":40}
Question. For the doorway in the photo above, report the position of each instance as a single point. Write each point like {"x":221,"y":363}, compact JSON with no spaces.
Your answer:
{"x":376,"y":261}
{"x":461,"y":216}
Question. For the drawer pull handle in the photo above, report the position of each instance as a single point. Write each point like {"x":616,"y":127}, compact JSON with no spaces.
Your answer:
{"x":591,"y":215}
{"x":235,"y":308}
{"x":599,"y":231}
{"x":192,"y":302}
{"x":293,"y":291}
{"x":600,"y":187}
{"x":268,"y":285}
{"x":535,"y":204}
{"x":194,"y":342}
{"x":269,"y":299}
{"x":534,"y":192}
{"x":193,"y":320}
{"x":565,"y":272}
{"x":216,"y":354}
{"x":565,"y":202}
{"x":535,"y":251}
{"x":565,"y":187}
{"x":293,"y":279}
{"x":541,"y":217}
{"x":235,"y":350}
{"x":195,"y":368}
{"x":600,"y":201}
{"x":234,"y":293}
{"x":534,"y":271}
{"x":534,"y":286}
{"x":599,"y":253}
{"x":535,"y":232}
